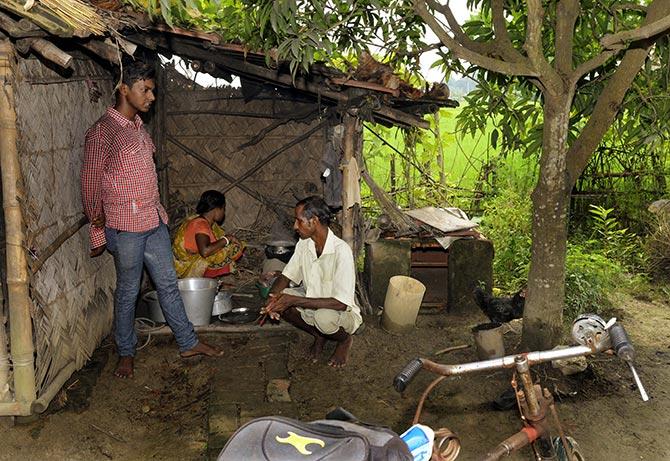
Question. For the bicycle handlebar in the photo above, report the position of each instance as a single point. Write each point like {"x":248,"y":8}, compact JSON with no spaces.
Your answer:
{"x":616,"y":339}
{"x":403,"y":378}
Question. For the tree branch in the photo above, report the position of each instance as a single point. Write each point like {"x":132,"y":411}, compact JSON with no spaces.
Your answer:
{"x":611,"y":97}
{"x":567,"y":12}
{"x":462,"y":52}
{"x":628,"y":6}
{"x":593,"y":63}
{"x":502,"y":36}
{"x":478,"y":47}
{"x":647,"y":31}
{"x":533,"y":45}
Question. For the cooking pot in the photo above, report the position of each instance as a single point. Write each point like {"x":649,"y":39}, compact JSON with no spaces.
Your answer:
{"x":280,"y":249}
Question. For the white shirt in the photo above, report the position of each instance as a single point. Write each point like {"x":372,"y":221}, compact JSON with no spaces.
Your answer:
{"x":331,"y":275}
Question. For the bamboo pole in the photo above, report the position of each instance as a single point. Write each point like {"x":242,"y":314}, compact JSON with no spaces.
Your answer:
{"x":440,"y":149}
{"x":46,"y":49}
{"x":13,"y":409}
{"x":5,"y":394}
{"x":40,"y":405}
{"x":21,"y":328}
{"x":56,"y":244}
{"x":348,"y":153}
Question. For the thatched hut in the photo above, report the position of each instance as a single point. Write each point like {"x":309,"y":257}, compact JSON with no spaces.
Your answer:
{"x":56,"y":79}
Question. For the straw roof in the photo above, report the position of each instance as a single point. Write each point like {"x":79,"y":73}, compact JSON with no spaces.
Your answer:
{"x":104,"y":28}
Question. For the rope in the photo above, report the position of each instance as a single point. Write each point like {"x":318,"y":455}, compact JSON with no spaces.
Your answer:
{"x":146,"y":326}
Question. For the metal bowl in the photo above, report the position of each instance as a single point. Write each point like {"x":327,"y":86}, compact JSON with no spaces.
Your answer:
{"x":240,"y":315}
{"x":280,"y":249}
{"x":223,"y":303}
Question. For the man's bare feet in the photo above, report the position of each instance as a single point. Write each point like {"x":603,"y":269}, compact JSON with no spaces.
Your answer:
{"x":316,"y":348}
{"x":202,"y":348}
{"x":341,"y":353}
{"x":125,"y":367}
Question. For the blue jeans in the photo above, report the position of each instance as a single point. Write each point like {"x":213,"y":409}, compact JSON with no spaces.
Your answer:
{"x":132,"y":250}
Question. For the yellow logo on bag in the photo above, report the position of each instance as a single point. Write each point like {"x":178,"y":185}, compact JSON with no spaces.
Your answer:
{"x":299,"y":442}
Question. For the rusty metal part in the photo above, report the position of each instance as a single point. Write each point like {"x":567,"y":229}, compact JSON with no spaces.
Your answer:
{"x":508,"y":361}
{"x":447,"y":445}
{"x":524,"y":437}
{"x":523,"y":370}
{"x":419,"y":407}
{"x":589,"y":330}
{"x":559,"y":426}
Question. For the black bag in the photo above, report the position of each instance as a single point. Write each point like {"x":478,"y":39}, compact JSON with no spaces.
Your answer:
{"x":274,"y":438}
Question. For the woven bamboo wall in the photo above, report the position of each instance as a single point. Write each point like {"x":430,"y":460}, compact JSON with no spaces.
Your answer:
{"x":292,"y":175}
{"x":72,"y":293}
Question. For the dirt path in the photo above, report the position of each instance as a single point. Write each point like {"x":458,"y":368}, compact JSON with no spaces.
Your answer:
{"x":163,"y":412}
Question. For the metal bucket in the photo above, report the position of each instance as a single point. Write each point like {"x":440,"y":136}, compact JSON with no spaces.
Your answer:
{"x":489,"y":341}
{"x":198,"y":296}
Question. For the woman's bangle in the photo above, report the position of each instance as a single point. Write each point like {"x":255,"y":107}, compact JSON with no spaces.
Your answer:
{"x":227,"y":241}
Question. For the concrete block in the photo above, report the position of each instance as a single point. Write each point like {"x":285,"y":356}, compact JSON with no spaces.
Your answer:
{"x":383,"y":260}
{"x":470,"y":264}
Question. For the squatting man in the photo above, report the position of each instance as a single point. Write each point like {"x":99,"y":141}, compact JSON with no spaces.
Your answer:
{"x":324,"y":306}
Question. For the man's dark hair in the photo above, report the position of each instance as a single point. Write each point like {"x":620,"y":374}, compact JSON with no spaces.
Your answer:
{"x":209,"y":200}
{"x":315,"y":206}
{"x":135,"y":70}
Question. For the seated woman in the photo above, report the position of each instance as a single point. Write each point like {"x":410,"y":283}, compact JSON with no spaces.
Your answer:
{"x":200,"y":247}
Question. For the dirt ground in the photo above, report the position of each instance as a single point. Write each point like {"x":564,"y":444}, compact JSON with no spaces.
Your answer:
{"x":162,"y":412}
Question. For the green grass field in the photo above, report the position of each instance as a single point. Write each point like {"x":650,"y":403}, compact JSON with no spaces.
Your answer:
{"x":464,"y":159}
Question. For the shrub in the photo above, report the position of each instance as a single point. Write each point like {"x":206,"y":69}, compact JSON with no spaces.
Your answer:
{"x":590,"y":281}
{"x":507,"y":223}
{"x":613,"y":241}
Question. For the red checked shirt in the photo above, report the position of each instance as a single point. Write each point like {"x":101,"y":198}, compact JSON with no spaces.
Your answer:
{"x":118,"y":177}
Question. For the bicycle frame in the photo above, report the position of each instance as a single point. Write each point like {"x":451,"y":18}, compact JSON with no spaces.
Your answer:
{"x":535,"y":403}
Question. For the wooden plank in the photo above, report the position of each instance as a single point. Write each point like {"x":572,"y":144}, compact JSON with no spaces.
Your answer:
{"x":365,"y":85}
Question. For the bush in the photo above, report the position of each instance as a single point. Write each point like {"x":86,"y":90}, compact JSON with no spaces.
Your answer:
{"x":507,"y":223}
{"x":610,"y":239}
{"x":590,"y":281}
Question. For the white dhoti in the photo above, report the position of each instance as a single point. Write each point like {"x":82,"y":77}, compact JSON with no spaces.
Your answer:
{"x":327,"y":321}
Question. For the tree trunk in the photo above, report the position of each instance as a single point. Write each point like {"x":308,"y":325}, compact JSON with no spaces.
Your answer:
{"x":543,"y":313}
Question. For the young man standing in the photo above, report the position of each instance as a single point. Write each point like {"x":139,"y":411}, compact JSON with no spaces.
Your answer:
{"x":119,"y":190}
{"x":325,"y":265}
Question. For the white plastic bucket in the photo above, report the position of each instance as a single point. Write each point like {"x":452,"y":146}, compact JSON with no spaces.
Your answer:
{"x":198,"y":296}
{"x":402,"y":303}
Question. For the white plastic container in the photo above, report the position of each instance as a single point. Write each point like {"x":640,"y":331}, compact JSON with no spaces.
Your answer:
{"x":402,"y":303}
{"x":419,"y":439}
